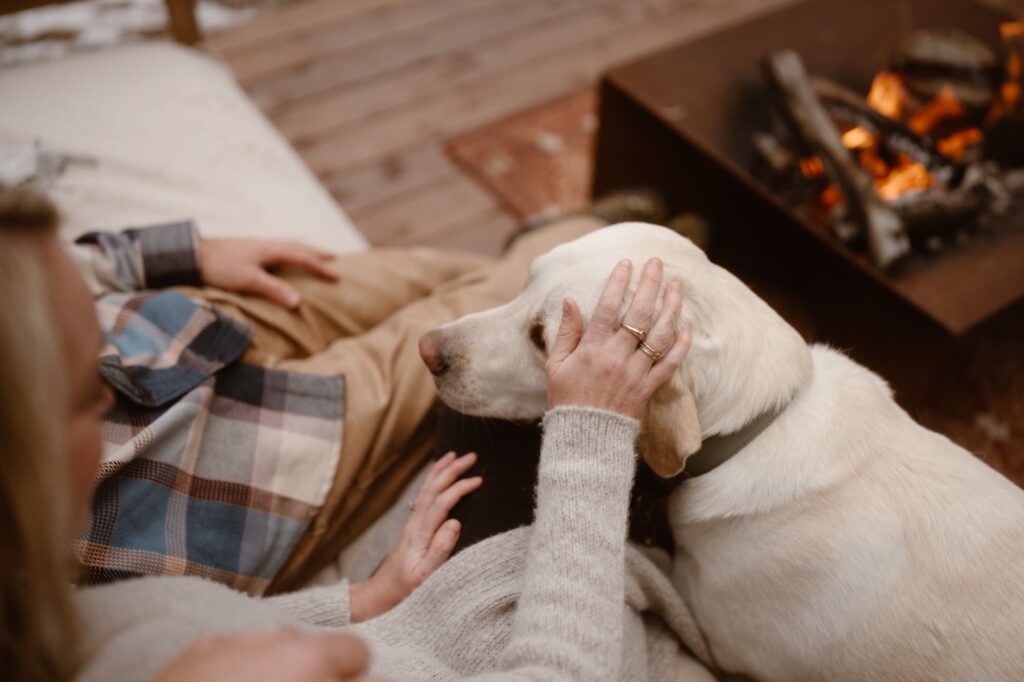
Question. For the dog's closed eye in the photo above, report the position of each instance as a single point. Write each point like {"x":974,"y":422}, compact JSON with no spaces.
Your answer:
{"x":537,"y":336}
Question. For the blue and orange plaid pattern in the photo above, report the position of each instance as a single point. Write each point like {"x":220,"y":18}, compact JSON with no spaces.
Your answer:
{"x":211,"y":467}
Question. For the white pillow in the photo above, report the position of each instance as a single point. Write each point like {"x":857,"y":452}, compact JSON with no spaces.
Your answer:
{"x":158,"y":132}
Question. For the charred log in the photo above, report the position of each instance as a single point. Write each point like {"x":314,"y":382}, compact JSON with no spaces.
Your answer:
{"x":933,"y":60}
{"x":810,"y":124}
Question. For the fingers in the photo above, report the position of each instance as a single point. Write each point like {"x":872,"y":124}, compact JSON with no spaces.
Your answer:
{"x":437,"y":512}
{"x":569,"y":332}
{"x":299,"y":255}
{"x":346,"y":656}
{"x":436,"y":496}
{"x":662,"y":333}
{"x":641,"y":309}
{"x":606,"y":315}
{"x":664,"y":369}
{"x":273,"y":289}
{"x":444,"y":472}
{"x":441,"y":546}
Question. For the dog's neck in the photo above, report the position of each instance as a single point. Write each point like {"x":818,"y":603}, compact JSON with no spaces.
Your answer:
{"x":719,"y":449}
{"x":805,"y":450}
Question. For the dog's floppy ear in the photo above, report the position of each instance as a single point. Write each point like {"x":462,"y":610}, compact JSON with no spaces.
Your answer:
{"x":669,"y":429}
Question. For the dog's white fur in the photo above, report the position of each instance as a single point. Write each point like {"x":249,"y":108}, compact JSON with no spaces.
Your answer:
{"x":846,"y":541}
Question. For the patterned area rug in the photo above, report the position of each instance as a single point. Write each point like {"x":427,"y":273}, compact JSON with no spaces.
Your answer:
{"x":539,"y":162}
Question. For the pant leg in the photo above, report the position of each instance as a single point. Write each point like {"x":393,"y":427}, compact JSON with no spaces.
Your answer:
{"x":373,"y":285}
{"x":390,"y":397}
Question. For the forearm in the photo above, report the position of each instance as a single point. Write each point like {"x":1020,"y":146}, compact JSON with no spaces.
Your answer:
{"x":568,"y":622}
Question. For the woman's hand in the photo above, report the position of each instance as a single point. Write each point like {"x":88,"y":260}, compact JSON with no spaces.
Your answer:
{"x":240,"y":265}
{"x":426,"y":541}
{"x":282,"y":655}
{"x":605,"y":366}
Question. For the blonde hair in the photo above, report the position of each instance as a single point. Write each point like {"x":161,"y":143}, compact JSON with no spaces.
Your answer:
{"x":38,"y":632}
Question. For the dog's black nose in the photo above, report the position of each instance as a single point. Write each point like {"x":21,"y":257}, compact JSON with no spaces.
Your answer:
{"x":432,"y":352}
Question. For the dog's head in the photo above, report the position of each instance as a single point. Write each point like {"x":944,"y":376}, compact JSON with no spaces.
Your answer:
{"x":744,"y":358}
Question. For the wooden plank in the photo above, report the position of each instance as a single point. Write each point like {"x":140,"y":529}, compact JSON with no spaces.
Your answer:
{"x":428,"y":211}
{"x":475,"y":103}
{"x":413,"y":167}
{"x":486,"y":233}
{"x":392,"y":176}
{"x":316,"y":116}
{"x":487,"y":20}
{"x":281,"y":24}
{"x":12,"y":6}
{"x":339,"y":43}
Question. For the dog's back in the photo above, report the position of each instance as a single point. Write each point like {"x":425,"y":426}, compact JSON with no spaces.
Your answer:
{"x":849,"y":542}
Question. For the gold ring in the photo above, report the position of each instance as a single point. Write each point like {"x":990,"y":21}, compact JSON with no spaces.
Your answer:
{"x":640,"y":334}
{"x":650,"y":352}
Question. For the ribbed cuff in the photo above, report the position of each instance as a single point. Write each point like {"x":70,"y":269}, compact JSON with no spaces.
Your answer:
{"x":326,"y":606}
{"x":591,"y":434}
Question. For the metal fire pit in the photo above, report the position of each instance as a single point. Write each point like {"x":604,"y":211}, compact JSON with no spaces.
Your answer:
{"x":682,"y":121}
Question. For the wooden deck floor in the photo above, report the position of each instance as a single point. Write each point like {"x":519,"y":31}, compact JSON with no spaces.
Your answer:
{"x":368,"y":90}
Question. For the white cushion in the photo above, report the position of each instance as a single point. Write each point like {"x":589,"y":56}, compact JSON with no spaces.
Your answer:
{"x":172,"y":137}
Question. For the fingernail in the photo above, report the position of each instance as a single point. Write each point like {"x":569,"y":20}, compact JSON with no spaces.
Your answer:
{"x":624,"y":263}
{"x":565,"y":306}
{"x":293,"y":299}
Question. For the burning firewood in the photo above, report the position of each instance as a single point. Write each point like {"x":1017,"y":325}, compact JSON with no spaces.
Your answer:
{"x":813,"y":126}
{"x":846,"y":105}
{"x":928,"y":157}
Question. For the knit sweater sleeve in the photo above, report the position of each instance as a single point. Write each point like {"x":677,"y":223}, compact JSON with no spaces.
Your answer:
{"x":327,"y":606}
{"x":569,"y":618}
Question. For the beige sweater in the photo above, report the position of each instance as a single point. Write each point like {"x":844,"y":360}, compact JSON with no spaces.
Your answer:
{"x":567,"y":599}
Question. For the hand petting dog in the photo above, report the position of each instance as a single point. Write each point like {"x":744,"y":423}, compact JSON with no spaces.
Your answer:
{"x":619,"y":367}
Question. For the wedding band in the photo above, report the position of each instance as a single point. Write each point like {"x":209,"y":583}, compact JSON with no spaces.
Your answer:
{"x":650,"y":352}
{"x":640,"y":334}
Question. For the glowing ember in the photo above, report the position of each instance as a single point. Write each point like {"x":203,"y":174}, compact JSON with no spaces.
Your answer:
{"x":927,"y":118}
{"x":831,"y":196}
{"x":870,"y":159}
{"x":857,"y":138}
{"x":812,"y":167}
{"x":907,"y":176}
{"x":956,"y":144}
{"x":887,"y":95}
{"x":1012,"y":33}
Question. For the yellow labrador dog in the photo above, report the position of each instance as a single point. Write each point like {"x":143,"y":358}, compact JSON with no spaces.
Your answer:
{"x":834,"y":538}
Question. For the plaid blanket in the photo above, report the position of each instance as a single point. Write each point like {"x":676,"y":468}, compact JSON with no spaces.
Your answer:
{"x":211,"y":467}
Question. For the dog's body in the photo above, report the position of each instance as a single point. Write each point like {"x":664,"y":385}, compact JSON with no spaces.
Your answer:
{"x":845,"y":542}
{"x":849,"y":542}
